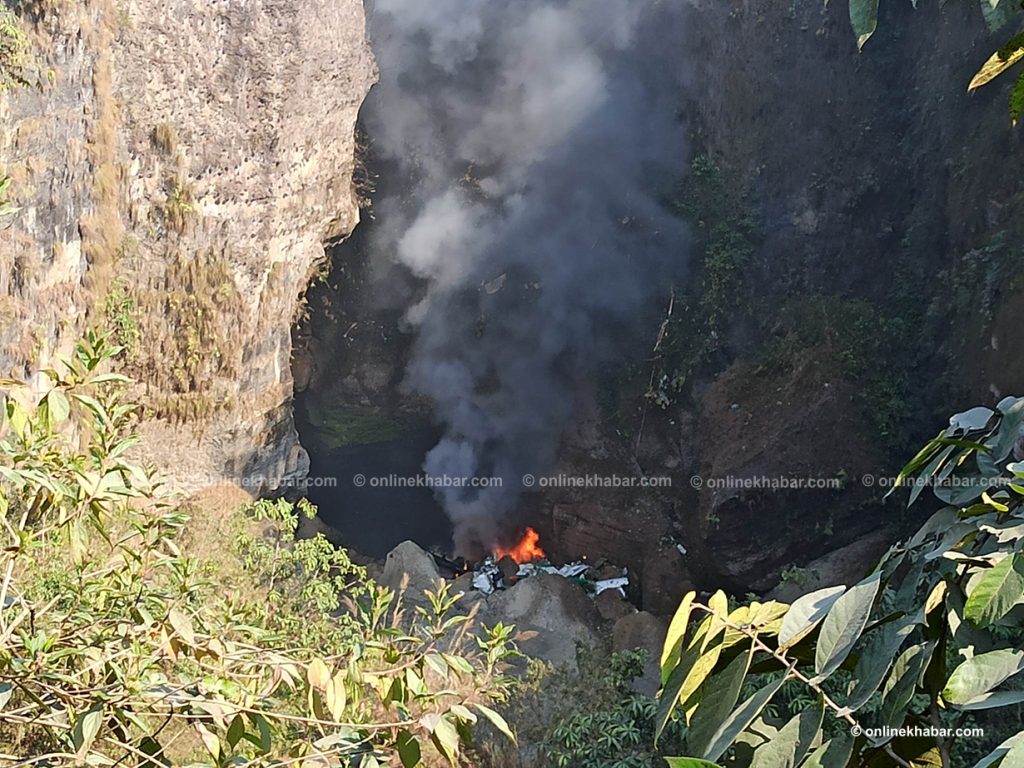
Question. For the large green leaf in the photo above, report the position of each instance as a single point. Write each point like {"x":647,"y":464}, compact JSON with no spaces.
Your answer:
{"x":864,"y":17}
{"x":996,"y":592}
{"x":689,"y":762}
{"x":741,"y":717}
{"x":87,"y":727}
{"x":875,"y":660}
{"x":804,"y":615}
{"x":993,"y":700}
{"x":718,"y":696}
{"x":497,"y":721}
{"x":1014,"y":757}
{"x":676,"y":633}
{"x":834,"y":753}
{"x":980,"y":674}
{"x":1001,"y":446}
{"x":792,"y":742}
{"x":899,"y":688}
{"x":697,"y":661}
{"x":1017,"y":100}
{"x":843,"y":626}
{"x":993,"y":757}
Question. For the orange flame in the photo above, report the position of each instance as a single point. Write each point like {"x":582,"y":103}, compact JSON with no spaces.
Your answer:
{"x":528,"y":550}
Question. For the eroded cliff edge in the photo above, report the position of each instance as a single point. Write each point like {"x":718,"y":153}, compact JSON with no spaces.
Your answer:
{"x":179,"y":166}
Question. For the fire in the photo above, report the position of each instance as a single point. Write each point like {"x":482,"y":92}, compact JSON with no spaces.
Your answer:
{"x":528,"y":550}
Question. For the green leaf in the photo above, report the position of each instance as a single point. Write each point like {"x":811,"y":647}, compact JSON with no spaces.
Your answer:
{"x":843,"y":626}
{"x":446,"y":739}
{"x":209,"y":739}
{"x":996,"y":592}
{"x":408,"y":750}
{"x":805,"y":614}
{"x":674,"y":638}
{"x":980,"y":674}
{"x":87,"y":727}
{"x":792,"y":742}
{"x":182,"y":625}
{"x":899,"y":688}
{"x":108,"y":378}
{"x":497,"y":721}
{"x":1017,"y":100}
{"x":1014,"y":757}
{"x":57,"y":407}
{"x":264,"y":740}
{"x":236,"y":730}
{"x":834,"y":753}
{"x":993,"y":757}
{"x":337,"y":696}
{"x":874,"y":662}
{"x":741,"y":718}
{"x":999,"y":62}
{"x":864,"y":18}
{"x":718,"y":696}
{"x":695,"y":664}
{"x":993,"y":700}
{"x":689,"y":762}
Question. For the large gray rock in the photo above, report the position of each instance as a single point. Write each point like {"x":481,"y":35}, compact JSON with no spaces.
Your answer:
{"x":642,"y":631}
{"x":555,"y":613}
{"x":409,"y":567}
{"x":206,"y":149}
{"x":846,"y":565}
{"x":612,"y":605}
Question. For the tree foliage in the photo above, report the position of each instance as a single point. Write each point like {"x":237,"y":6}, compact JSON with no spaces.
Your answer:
{"x":931,"y":639}
{"x":116,"y":649}
{"x":14,"y":47}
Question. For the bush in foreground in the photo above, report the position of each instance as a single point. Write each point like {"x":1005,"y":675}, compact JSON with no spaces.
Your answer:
{"x":930,"y":641}
{"x":117,"y":649}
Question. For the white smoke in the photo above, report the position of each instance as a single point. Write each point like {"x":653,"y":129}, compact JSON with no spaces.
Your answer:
{"x":533,"y":139}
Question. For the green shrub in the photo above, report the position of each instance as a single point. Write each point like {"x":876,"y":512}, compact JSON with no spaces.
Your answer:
{"x":117,"y":649}
{"x":7,"y":208}
{"x":616,"y":734}
{"x":14,"y":49}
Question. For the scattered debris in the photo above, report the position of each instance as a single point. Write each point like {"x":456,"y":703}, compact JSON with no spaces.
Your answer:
{"x":490,"y":576}
{"x":491,"y":287}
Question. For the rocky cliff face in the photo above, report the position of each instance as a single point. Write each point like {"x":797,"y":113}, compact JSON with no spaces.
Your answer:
{"x":179,"y":166}
{"x":879,"y":295}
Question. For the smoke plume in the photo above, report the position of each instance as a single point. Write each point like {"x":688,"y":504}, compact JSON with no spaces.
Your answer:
{"x":535,"y":141}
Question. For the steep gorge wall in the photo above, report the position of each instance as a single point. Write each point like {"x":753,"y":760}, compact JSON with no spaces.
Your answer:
{"x":179,"y":167}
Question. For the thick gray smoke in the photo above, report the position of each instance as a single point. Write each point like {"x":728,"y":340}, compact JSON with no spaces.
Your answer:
{"x":535,"y":140}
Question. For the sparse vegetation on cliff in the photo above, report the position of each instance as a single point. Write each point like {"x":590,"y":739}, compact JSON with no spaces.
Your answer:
{"x":726,"y":232}
{"x":14,"y":49}
{"x":119,"y":647}
{"x":7,"y":208}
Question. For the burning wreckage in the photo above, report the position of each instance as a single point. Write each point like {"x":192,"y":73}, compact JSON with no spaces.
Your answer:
{"x":505,"y":567}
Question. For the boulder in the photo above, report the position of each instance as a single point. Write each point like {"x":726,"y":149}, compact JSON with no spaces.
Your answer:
{"x":780,"y":471}
{"x":642,"y":631}
{"x":409,"y":566}
{"x":612,"y":605}
{"x":846,"y":565}
{"x":554,"y":612}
